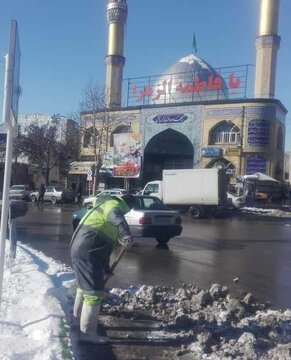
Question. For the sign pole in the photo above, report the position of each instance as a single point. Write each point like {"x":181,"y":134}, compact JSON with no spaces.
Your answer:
{"x":7,"y":171}
{"x":10,"y":113}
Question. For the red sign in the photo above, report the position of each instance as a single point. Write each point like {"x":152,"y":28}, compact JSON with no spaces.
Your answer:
{"x":214,"y":83}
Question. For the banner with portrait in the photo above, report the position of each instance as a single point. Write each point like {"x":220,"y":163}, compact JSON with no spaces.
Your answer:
{"x":126,"y":155}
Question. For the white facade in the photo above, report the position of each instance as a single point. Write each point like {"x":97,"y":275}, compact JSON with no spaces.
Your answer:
{"x":44,"y":119}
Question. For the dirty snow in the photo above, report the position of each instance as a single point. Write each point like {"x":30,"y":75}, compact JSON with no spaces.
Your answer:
{"x":208,"y":324}
{"x":268,"y":212}
{"x":211,"y":323}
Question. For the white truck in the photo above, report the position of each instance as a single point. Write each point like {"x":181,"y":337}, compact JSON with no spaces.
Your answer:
{"x":201,"y":192}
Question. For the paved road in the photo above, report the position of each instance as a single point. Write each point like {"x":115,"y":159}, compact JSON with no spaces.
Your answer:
{"x":257,"y":250}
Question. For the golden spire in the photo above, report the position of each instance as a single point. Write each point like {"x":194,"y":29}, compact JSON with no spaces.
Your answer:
{"x":116,"y":13}
{"x":269,"y":17}
{"x":267,"y":44}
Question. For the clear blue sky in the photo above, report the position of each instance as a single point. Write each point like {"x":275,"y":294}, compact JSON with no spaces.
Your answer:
{"x":63,"y":44}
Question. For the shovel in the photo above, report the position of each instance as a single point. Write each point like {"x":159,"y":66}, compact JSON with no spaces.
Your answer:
{"x":115,"y":263}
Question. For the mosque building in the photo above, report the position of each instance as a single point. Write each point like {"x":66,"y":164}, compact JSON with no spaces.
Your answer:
{"x":192,"y":115}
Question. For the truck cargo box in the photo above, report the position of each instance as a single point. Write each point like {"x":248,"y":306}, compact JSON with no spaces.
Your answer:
{"x":194,"y":186}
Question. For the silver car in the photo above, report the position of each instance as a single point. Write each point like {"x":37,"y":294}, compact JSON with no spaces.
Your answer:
{"x":54,"y":194}
{"x":19,"y":192}
{"x":148,"y":218}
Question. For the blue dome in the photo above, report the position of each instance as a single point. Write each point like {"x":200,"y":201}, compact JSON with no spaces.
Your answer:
{"x":190,"y":79}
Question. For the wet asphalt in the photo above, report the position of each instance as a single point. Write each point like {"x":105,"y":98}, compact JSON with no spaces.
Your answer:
{"x":255,"y":249}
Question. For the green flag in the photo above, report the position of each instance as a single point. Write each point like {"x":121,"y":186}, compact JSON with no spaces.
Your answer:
{"x":194,"y":47}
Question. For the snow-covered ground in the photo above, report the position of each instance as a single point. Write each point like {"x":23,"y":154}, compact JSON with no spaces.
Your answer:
{"x":33,"y":308}
{"x":211,"y":324}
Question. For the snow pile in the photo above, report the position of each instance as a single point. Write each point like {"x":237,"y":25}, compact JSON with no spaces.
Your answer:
{"x":213,"y":323}
{"x":267,"y":212}
{"x":32,"y":320}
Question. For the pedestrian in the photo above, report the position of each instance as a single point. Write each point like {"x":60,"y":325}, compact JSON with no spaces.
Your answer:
{"x":73,"y":187}
{"x":41,"y":194}
{"x":91,"y":246}
{"x":79,"y":193}
{"x":283,"y":195}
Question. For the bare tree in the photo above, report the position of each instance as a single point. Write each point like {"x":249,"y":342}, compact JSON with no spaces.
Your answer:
{"x":41,"y":146}
{"x":97,"y":123}
{"x":2,"y":147}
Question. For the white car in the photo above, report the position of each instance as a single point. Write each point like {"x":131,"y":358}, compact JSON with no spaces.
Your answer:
{"x":54,"y":194}
{"x":234,"y":201}
{"x":148,"y":218}
{"x":19,"y":192}
{"x":88,"y":202}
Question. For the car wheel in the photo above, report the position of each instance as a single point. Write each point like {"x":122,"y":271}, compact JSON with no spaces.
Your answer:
{"x":33,"y":199}
{"x":195,"y":212}
{"x":54,"y":200}
{"x":75,"y":224}
{"x":162,"y":240}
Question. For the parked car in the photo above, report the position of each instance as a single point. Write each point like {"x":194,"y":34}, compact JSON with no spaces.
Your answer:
{"x":20,"y":192}
{"x":18,"y":207}
{"x":88,"y":202}
{"x":54,"y":194}
{"x":234,"y":201}
{"x":148,"y":218}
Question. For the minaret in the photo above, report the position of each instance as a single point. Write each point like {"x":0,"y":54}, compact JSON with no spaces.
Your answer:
{"x":267,"y":44}
{"x":116,"y":17}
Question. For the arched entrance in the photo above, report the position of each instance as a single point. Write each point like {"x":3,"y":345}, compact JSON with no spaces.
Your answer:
{"x":166,"y":150}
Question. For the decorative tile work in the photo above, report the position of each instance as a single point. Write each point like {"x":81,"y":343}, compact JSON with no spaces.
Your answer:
{"x":259,"y":133}
{"x":190,"y":126}
{"x":256,"y":163}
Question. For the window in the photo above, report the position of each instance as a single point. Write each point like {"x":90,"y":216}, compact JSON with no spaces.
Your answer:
{"x":225,"y":133}
{"x":49,"y":189}
{"x":152,"y":204}
{"x":18,"y":187}
{"x":223,"y":164}
{"x":280,"y":139}
{"x":90,"y":135}
{"x":151,"y":188}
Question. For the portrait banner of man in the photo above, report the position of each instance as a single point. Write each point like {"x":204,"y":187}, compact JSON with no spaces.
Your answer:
{"x":127,"y":155}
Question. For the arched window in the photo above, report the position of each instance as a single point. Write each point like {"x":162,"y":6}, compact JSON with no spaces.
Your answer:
{"x":280,"y":139}
{"x":224,"y":133}
{"x":90,"y":135}
{"x":223,"y":164}
{"x":119,"y":130}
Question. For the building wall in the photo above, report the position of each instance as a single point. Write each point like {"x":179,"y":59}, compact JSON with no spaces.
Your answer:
{"x":259,"y":148}
{"x":123,"y":117}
